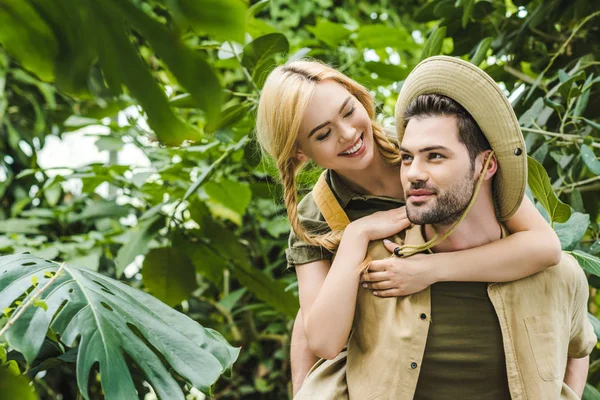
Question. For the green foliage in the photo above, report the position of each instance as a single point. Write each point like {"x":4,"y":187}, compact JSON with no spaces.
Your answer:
{"x":107,"y":317}
{"x":206,"y":218}
{"x":542,"y":190}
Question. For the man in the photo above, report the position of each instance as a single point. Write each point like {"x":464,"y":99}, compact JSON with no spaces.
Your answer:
{"x":463,"y":170}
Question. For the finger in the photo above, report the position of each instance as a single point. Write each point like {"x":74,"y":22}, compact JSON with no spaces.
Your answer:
{"x":380,"y":265}
{"x":389,"y":245}
{"x":386,"y":293}
{"x":404,"y":223}
{"x":377,"y":286}
{"x":375,"y":277}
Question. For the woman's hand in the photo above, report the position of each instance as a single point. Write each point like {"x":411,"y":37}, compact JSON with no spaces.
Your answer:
{"x":381,"y":224}
{"x":392,"y":277}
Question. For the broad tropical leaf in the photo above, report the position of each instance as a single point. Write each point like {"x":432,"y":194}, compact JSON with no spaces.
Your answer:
{"x":108,"y":318}
{"x":588,"y":262}
{"x":538,"y":181}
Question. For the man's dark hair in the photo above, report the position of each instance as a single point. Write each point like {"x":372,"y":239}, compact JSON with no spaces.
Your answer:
{"x":469,"y":133}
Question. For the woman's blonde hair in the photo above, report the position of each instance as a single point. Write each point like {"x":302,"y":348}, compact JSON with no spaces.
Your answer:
{"x":283,"y":102}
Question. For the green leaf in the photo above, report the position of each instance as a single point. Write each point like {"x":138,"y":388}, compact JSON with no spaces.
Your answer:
{"x":259,"y":55}
{"x":109,"y":143}
{"x":190,"y":68}
{"x":223,"y":243}
{"x":538,"y":181}
{"x":540,"y":154}
{"x":467,"y":12}
{"x":169,"y":275}
{"x":591,"y":123}
{"x":590,"y":392}
{"x":22,"y":225}
{"x":572,"y":231}
{"x":233,"y":114}
{"x":27,"y":37}
{"x":481,"y":51}
{"x":108,"y":318}
{"x":15,"y":387}
{"x":582,"y":101}
{"x":588,"y":262}
{"x":122,"y":65}
{"x":329,"y":33}
{"x":137,"y":243}
{"x":528,"y":117}
{"x":393,"y":73}
{"x":379,"y":36}
{"x":75,"y":28}
{"x":232,"y":194}
{"x":425,"y":13}
{"x":229,"y":301}
{"x":433,"y":45}
{"x":224,"y":19}
{"x":590,"y":160}
{"x":555,"y":105}
{"x":258,"y":7}
{"x":101,"y":209}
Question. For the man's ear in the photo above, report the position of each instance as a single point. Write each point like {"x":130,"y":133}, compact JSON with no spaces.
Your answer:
{"x":492,"y":166}
{"x":301,"y":156}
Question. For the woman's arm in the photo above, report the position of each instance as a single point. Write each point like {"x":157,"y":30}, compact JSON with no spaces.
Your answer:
{"x":531,"y":247}
{"x":328,"y":295}
{"x":301,"y":357}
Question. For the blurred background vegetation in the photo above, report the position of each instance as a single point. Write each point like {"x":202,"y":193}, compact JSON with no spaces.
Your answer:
{"x":183,"y":206}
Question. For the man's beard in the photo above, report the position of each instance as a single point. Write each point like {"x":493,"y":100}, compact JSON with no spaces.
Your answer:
{"x":447,"y":207}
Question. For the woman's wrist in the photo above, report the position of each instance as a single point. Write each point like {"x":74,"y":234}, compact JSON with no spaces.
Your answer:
{"x":356,"y":231}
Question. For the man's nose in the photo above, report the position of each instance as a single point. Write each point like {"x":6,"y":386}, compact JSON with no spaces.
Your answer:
{"x":415,"y":172}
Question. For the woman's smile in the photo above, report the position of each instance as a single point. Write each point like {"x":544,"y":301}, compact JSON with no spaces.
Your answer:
{"x":356,"y":149}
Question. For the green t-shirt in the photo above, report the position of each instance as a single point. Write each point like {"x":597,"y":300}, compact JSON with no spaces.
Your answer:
{"x":355,"y":205}
{"x":464,"y":355}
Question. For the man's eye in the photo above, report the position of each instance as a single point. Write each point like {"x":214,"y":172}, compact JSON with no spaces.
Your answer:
{"x":435,"y":156}
{"x":349,"y":113}
{"x":324,"y":136}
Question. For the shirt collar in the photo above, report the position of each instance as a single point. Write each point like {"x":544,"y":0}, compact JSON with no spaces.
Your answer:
{"x":344,"y":194}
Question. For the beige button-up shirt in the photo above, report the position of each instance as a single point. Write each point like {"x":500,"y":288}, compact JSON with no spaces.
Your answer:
{"x":543,"y":319}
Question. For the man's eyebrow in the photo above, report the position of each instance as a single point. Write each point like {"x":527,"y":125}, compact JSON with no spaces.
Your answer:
{"x":315,"y":129}
{"x":426,"y":149}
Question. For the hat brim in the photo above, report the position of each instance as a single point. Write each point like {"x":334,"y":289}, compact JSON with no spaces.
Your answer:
{"x":480,"y":95}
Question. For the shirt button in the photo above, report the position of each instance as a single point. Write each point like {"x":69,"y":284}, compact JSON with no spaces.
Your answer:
{"x":423,"y":316}
{"x":413,"y":365}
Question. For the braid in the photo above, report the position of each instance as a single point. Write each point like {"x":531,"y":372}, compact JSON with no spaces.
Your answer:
{"x":388,"y":147}
{"x":287,"y":172}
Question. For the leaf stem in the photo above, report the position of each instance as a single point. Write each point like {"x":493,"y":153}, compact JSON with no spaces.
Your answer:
{"x":244,"y":69}
{"x":565,"y":136}
{"x":208,"y":173}
{"x":569,"y":188}
{"x":30,"y":300}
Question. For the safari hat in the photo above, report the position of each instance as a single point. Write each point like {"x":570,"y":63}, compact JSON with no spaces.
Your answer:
{"x":477,"y":93}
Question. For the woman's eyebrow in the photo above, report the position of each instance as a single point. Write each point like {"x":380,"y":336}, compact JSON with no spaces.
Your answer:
{"x":315,"y":129}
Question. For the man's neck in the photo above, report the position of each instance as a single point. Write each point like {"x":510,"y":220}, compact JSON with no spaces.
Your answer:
{"x":478,"y":228}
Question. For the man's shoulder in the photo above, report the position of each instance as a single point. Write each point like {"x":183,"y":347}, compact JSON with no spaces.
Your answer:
{"x":566,"y":272}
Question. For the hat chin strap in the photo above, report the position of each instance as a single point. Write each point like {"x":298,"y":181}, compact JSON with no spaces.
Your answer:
{"x":408,"y":250}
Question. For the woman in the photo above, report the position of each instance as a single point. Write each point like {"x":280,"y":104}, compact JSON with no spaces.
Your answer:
{"x":309,"y":111}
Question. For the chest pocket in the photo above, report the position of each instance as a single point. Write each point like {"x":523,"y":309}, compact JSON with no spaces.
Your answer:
{"x":546,"y":338}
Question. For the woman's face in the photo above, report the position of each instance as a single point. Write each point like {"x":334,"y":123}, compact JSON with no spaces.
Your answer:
{"x":336,"y":131}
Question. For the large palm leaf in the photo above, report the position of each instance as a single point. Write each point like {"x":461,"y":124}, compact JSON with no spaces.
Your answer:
{"x":108,"y":318}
